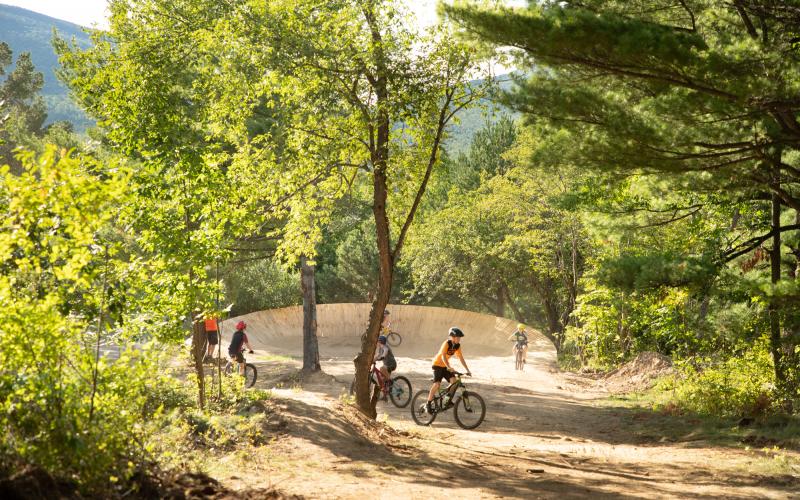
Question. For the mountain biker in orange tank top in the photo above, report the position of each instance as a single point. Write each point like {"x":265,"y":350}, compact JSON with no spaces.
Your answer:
{"x":441,"y":363}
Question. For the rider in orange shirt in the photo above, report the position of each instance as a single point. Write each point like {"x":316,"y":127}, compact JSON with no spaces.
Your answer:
{"x":441,"y":364}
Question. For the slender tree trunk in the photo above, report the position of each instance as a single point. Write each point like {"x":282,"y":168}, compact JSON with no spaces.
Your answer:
{"x":100,"y":319}
{"x":500,"y":310}
{"x":513,"y":305}
{"x":380,"y":160}
{"x":310,"y":344}
{"x":379,"y":137}
{"x":553,"y":322}
{"x":198,"y":353}
{"x":774,"y":311}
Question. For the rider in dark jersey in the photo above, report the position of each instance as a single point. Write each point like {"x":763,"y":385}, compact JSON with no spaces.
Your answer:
{"x":520,"y":339}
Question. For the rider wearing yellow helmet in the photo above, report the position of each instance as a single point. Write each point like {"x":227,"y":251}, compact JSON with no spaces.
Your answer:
{"x":520,"y":339}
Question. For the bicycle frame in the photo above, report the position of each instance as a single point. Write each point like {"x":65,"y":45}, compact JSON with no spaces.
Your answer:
{"x":379,"y":380}
{"x":456,"y":386}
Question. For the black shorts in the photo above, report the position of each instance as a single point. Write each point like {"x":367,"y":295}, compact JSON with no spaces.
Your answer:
{"x":440,"y":372}
{"x":237,"y":356}
{"x":212,"y":338}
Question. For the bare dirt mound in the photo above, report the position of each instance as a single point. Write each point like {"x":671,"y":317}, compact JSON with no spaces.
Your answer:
{"x":638,"y":374}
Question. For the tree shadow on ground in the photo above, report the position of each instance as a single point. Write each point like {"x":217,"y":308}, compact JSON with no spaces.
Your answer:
{"x":523,"y":474}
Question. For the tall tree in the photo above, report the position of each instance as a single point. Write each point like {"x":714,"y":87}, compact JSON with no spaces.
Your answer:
{"x":369,"y":98}
{"x":702,"y":89}
{"x":22,"y":109}
{"x":145,"y":83}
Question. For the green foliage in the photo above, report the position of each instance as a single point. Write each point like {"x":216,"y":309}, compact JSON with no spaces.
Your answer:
{"x":61,"y":406}
{"x":742,"y":385}
{"x":630,"y":89}
{"x":179,"y":435}
{"x":502,"y":239}
{"x":259,"y":285}
{"x":348,"y":267}
{"x":637,"y":272}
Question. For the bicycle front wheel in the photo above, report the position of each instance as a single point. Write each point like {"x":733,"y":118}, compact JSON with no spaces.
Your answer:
{"x":418,"y":413}
{"x":400,"y":391}
{"x":470,"y":410}
{"x":250,"y":374}
{"x":394,"y":339}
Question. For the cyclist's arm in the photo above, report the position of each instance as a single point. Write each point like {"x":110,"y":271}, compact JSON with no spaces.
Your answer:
{"x":247,"y":343}
{"x":511,"y":337}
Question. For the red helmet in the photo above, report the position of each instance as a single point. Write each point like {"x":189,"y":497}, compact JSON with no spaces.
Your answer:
{"x":241,"y":325}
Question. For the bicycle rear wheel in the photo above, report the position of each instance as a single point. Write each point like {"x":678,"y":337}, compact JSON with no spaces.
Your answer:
{"x":400,"y":391}
{"x":250,"y":374}
{"x":470,"y":410}
{"x":418,"y":413}
{"x":394,"y":339}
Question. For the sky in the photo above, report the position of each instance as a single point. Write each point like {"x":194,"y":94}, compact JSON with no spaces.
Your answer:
{"x":93,"y":12}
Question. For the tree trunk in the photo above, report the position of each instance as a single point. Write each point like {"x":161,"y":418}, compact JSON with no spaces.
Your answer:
{"x":774,"y":311}
{"x":554,"y":326}
{"x":513,"y":305}
{"x":500,"y":309}
{"x":310,"y":344}
{"x":380,"y":158}
{"x":198,"y":353}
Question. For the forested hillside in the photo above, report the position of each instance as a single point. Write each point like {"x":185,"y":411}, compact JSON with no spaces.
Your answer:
{"x":27,"y":31}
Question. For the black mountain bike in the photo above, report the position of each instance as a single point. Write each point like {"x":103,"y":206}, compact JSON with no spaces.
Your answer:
{"x":250,"y":372}
{"x":469,"y":408}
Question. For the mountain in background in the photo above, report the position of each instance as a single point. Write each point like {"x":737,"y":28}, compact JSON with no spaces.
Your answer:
{"x":27,"y":31}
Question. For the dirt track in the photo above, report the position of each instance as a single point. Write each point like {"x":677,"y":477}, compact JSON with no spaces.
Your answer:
{"x":543,"y":437}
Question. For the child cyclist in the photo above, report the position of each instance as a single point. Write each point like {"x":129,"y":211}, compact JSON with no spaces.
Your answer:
{"x":520,"y":339}
{"x":384,"y":353}
{"x":441,"y":364}
{"x":236,"y":347}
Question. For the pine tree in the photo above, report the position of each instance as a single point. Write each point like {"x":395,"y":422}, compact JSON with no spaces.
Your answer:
{"x":702,"y":89}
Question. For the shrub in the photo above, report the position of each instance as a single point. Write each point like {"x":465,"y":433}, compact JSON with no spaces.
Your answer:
{"x":738,"y":386}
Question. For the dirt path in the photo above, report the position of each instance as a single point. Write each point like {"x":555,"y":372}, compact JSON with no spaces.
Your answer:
{"x":543,"y":437}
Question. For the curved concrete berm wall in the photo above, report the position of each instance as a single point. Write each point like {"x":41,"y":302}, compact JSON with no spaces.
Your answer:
{"x":340,"y":326}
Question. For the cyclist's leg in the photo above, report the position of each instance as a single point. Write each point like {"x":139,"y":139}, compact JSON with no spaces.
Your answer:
{"x":524,"y":353}
{"x":433,"y":391}
{"x":239,"y":359}
{"x":213,"y":340}
{"x":451,"y":389}
{"x":439,"y":373}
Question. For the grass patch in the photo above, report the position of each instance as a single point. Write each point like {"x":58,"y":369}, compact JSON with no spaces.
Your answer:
{"x":653,"y":417}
